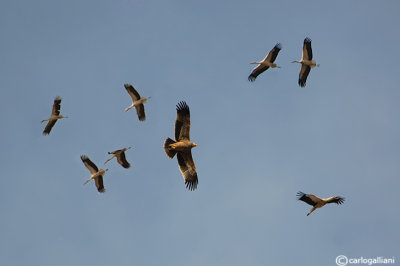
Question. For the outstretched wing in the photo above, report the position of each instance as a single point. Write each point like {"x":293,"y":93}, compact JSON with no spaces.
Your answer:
{"x":188,"y":169}
{"x":132,"y":92}
{"x":122,"y":160}
{"x":49,"y":126}
{"x":182,"y":122}
{"x":274,"y":53}
{"x":307,"y":50}
{"x":99,"y":184}
{"x":89,"y":164}
{"x":56,"y":106}
{"x":140,"y":112}
{"x":257,"y":71}
{"x":307,"y":198}
{"x":336,"y":199}
{"x":304,"y":71}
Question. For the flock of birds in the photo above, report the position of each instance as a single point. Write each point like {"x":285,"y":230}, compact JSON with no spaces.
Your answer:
{"x":306,"y":62}
{"x":182,"y":146}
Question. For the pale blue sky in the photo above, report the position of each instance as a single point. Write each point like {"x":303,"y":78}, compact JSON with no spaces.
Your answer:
{"x":259,"y":143}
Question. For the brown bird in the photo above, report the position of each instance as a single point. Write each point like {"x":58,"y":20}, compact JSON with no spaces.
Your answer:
{"x":97,"y":174}
{"x":55,"y":115}
{"x":182,"y":147}
{"x":318,"y":202}
{"x":137,"y":102}
{"x":121,"y":159}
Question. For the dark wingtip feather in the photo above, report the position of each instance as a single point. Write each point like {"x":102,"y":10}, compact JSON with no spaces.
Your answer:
{"x":251,"y":78}
{"x":307,"y":40}
{"x":84,"y":157}
{"x":182,"y":107}
{"x":126,"y":165}
{"x":278,"y":46}
{"x":299,"y":195}
{"x":341,"y":200}
{"x":191,"y":185}
{"x":57,"y":99}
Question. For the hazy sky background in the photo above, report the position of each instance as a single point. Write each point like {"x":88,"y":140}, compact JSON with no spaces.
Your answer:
{"x":259,"y":143}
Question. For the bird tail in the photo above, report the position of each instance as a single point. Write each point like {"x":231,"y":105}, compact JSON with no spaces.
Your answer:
{"x":168,"y":150}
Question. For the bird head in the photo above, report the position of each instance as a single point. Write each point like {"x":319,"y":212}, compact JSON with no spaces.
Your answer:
{"x":194,"y":144}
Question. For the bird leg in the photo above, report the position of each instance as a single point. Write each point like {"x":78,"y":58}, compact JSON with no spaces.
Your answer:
{"x":44,"y":120}
{"x":313,"y":209}
{"x":110,"y":159}
{"x":87,"y":181}
{"x":129,"y":108}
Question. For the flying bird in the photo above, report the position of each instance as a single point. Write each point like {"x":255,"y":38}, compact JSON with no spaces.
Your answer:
{"x":120,"y":154}
{"x":55,"y":115}
{"x":318,"y":202}
{"x":306,"y":62}
{"x":97,"y":174}
{"x":266,"y":63}
{"x":182,"y":146}
{"x":137,"y":102}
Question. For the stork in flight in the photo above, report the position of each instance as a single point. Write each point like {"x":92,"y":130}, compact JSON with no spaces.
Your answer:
{"x":121,"y":159}
{"x":317,"y":202}
{"x":97,"y":174}
{"x":306,"y":62}
{"x":137,"y":102}
{"x":266,"y":63}
{"x":182,"y":147}
{"x":55,"y":115}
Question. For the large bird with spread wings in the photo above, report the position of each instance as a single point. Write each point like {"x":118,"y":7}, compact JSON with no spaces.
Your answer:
{"x":182,"y":147}
{"x":266,"y":63}
{"x":306,"y":62}
{"x":96,"y":174}
{"x":317,"y":202}
{"x":137,"y":102}
{"x":121,"y":158}
{"x":55,"y":115}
